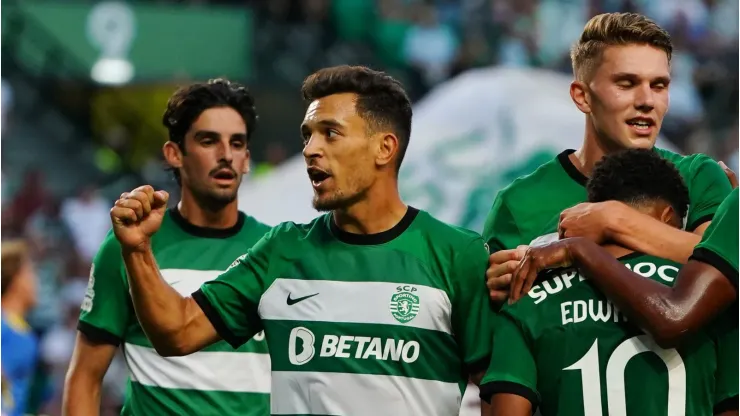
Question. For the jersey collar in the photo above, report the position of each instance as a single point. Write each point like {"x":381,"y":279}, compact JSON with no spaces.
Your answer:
{"x":206,"y":232}
{"x":570,"y":168}
{"x":374,"y":239}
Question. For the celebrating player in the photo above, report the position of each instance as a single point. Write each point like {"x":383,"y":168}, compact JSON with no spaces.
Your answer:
{"x":374,"y":308}
{"x":622,"y":77}
{"x":210,"y":125}
{"x":566,"y":348}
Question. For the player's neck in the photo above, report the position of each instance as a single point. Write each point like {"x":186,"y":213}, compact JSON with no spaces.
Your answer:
{"x":14,"y":306}
{"x":380,"y":211}
{"x":585,"y":158}
{"x":224,"y":217}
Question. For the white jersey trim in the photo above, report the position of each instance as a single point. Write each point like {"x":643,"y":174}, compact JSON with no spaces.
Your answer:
{"x":354,"y":302}
{"x":186,"y":281}
{"x":312,"y":393}
{"x":239,"y":372}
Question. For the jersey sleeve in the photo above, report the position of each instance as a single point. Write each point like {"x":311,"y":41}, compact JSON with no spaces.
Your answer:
{"x":106,"y":309}
{"x":512,"y":368}
{"x":231,"y":301}
{"x":500,"y":230}
{"x":471,"y":313}
{"x":726,"y":377}
{"x":719,"y":245}
{"x":708,"y":187}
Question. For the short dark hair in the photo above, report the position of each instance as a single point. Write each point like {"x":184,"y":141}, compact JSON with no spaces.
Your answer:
{"x":187,"y":104}
{"x":635,"y":176}
{"x":381,"y":100}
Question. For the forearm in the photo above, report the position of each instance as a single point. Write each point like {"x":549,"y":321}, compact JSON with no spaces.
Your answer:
{"x":649,"y":304}
{"x":647,"y":235}
{"x":81,"y":395}
{"x":159,"y":308}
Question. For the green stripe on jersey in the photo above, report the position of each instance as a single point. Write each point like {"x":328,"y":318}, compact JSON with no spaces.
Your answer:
{"x":385,"y":324}
{"x":219,"y":380}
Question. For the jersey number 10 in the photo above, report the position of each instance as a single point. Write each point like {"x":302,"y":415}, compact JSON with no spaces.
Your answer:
{"x":615,"y":368}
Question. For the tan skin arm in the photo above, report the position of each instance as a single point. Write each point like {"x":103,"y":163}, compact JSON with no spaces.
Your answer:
{"x":507,"y":404}
{"x":82,"y":385}
{"x":175,"y":325}
{"x":669,"y":314}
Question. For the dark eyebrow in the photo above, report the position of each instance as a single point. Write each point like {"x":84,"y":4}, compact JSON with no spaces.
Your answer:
{"x":208,"y":134}
{"x":326,"y":123}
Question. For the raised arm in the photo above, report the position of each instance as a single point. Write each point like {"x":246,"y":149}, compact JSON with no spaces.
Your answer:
{"x":175,"y":325}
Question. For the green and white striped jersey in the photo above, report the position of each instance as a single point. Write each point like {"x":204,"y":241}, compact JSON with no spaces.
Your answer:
{"x":383,"y":324}
{"x":220,"y":380}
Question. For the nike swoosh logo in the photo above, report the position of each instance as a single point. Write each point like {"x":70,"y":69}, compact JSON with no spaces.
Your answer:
{"x":296,"y":300}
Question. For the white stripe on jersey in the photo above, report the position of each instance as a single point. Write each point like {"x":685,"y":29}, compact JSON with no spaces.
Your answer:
{"x":312,"y":393}
{"x":188,"y":281}
{"x":353,"y":302}
{"x":239,"y":372}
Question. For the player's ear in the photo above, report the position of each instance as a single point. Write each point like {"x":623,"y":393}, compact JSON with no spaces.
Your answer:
{"x":668,"y":216}
{"x":579,"y":95}
{"x":245,"y":164}
{"x":386,"y":147}
{"x":172,"y":154}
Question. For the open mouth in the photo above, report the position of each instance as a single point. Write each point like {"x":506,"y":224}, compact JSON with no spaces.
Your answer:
{"x":641,"y":124}
{"x":224,"y":175}
{"x":317,"y":176}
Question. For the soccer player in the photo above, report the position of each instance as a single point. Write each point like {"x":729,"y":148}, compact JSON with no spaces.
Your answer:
{"x":567,"y":349}
{"x":210,"y":126}
{"x":704,"y":287}
{"x":375,"y":308}
{"x":19,"y":343}
{"x":621,"y":65}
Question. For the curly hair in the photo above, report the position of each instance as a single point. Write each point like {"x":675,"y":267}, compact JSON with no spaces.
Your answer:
{"x":636,"y":176}
{"x":381,"y":100}
{"x":187,"y":104}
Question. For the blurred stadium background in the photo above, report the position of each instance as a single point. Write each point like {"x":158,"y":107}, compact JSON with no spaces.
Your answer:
{"x":84,"y":85}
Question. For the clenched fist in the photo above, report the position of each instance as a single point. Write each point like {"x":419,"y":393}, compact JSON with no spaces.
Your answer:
{"x":137,"y":215}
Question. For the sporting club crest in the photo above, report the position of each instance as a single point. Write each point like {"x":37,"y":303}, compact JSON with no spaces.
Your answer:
{"x":405,"y":305}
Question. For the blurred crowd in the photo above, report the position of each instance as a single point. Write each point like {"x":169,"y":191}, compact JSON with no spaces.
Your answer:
{"x":421,"y":42}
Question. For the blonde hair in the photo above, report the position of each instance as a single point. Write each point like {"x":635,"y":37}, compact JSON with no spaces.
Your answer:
{"x":613,"y":29}
{"x":14,"y":256}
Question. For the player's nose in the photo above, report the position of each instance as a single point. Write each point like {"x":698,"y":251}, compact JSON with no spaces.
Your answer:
{"x":644,"y":98}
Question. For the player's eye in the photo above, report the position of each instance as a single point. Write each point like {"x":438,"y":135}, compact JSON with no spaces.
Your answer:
{"x":238,"y":143}
{"x":331,"y":133}
{"x":625,"y":84}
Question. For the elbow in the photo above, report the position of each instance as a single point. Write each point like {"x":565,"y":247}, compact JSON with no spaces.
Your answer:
{"x":170,"y":349}
{"x":171,"y":346}
{"x":668,"y":338}
{"x":670,"y":334}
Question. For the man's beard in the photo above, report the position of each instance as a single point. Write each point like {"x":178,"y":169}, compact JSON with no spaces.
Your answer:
{"x":214,"y":200}
{"x":338,"y":201}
